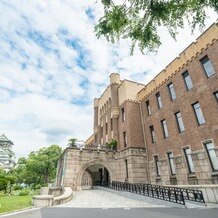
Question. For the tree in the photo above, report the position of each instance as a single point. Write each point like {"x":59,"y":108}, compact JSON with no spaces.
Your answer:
{"x":39,"y":168}
{"x":139,"y":20}
{"x":6,"y":181}
{"x":3,"y":181}
{"x":11,"y":179}
{"x":72,"y":142}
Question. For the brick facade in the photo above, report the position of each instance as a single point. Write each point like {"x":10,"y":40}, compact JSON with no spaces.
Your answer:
{"x":185,"y":153}
{"x":194,"y":135}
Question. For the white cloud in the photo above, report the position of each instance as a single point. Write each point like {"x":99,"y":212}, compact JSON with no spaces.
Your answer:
{"x":52,"y":66}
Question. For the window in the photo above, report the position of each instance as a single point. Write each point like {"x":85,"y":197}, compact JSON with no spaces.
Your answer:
{"x":172,"y":91}
{"x":96,"y":138}
{"x":153,"y":137}
{"x":127,"y":173}
{"x":106,"y":126}
{"x":123,"y":114}
{"x":179,"y":121}
{"x":198,"y":113}
{"x":159,"y":102}
{"x":212,"y":155}
{"x":207,"y":65}
{"x":157,"y":165}
{"x":216,"y":95}
{"x":148,"y":108}
{"x":171,"y":163}
{"x":189,"y":161}
{"x":187,"y":79}
{"x":165,"y":129}
{"x":102,"y":132}
{"x":111,"y":124}
{"x":124,"y":139}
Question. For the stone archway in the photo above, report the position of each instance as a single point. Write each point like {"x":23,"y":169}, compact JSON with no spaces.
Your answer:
{"x":96,"y":161}
{"x":87,"y":180}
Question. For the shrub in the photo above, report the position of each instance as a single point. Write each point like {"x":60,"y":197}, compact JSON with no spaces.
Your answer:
{"x":17,"y":187}
{"x":24,"y":192}
{"x":112,"y":145}
{"x":36,"y":187}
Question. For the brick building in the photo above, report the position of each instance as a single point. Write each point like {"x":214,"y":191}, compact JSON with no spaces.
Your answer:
{"x":180,"y":116}
{"x":166,"y":131}
{"x":116,"y":116}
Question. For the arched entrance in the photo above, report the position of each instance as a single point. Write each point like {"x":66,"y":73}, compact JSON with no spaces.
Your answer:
{"x":95,"y":173}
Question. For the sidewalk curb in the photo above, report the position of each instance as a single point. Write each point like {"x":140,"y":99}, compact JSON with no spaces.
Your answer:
{"x":13,"y":212}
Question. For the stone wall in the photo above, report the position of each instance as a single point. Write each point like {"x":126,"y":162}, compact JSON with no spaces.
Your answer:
{"x":77,"y":161}
{"x":202,"y":175}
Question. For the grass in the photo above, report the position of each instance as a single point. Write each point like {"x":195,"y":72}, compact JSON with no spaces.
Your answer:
{"x":14,"y":203}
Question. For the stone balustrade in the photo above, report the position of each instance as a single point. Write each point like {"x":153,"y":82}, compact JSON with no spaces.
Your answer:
{"x":56,"y":196}
{"x":65,"y":197}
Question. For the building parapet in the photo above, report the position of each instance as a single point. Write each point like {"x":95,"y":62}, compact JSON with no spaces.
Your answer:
{"x":90,"y":140}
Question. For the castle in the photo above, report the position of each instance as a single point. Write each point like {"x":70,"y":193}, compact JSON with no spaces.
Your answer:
{"x":7,"y":158}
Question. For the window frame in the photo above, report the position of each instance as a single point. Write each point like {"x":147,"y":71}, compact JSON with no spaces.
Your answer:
{"x":177,"y":121}
{"x":148,"y":107}
{"x":156,"y":160}
{"x":123,"y":114}
{"x":183,"y":75}
{"x":127,"y":171}
{"x":159,"y":100}
{"x":172,"y":91}
{"x":170,"y":163}
{"x":196,"y":116}
{"x":153,"y":137}
{"x":202,"y":60}
{"x":216,"y":95}
{"x":164,"y":133}
{"x":111,"y":124}
{"x":208,"y":154}
{"x":102,"y":132}
{"x":106,"y":128}
{"x":190,"y":171}
{"x":125,"y":139}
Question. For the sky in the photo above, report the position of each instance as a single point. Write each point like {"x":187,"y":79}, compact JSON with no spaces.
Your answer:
{"x":52,"y":66}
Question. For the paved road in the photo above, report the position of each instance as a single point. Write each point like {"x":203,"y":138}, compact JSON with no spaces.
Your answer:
{"x":108,"y":203}
{"x":117,"y":213}
{"x":110,"y":199}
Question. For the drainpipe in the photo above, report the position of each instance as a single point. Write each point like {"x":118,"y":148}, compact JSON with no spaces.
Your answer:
{"x":146,"y":155}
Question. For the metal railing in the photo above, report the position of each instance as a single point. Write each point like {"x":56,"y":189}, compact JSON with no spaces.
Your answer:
{"x":191,"y":194}
{"x":171,"y":194}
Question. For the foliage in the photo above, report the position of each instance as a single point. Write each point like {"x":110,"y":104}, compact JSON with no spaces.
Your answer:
{"x":139,"y":20}
{"x":37,"y":187}
{"x":17,"y":187}
{"x":112,"y":145}
{"x":24,"y":192}
{"x":3,"y":184}
{"x":39,"y":168}
{"x":72,"y":142}
{"x":10,"y":203}
{"x":6,"y":181}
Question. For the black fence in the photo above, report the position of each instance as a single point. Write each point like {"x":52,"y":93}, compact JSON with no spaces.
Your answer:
{"x":171,"y":194}
{"x":191,"y":194}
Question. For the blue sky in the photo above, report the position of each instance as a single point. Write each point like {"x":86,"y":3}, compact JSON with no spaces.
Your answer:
{"x":52,"y":66}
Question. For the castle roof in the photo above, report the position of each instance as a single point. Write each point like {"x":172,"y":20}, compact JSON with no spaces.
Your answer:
{"x":3,"y":138}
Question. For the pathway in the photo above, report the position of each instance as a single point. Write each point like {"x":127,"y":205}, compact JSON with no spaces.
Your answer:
{"x":106,"y":198}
